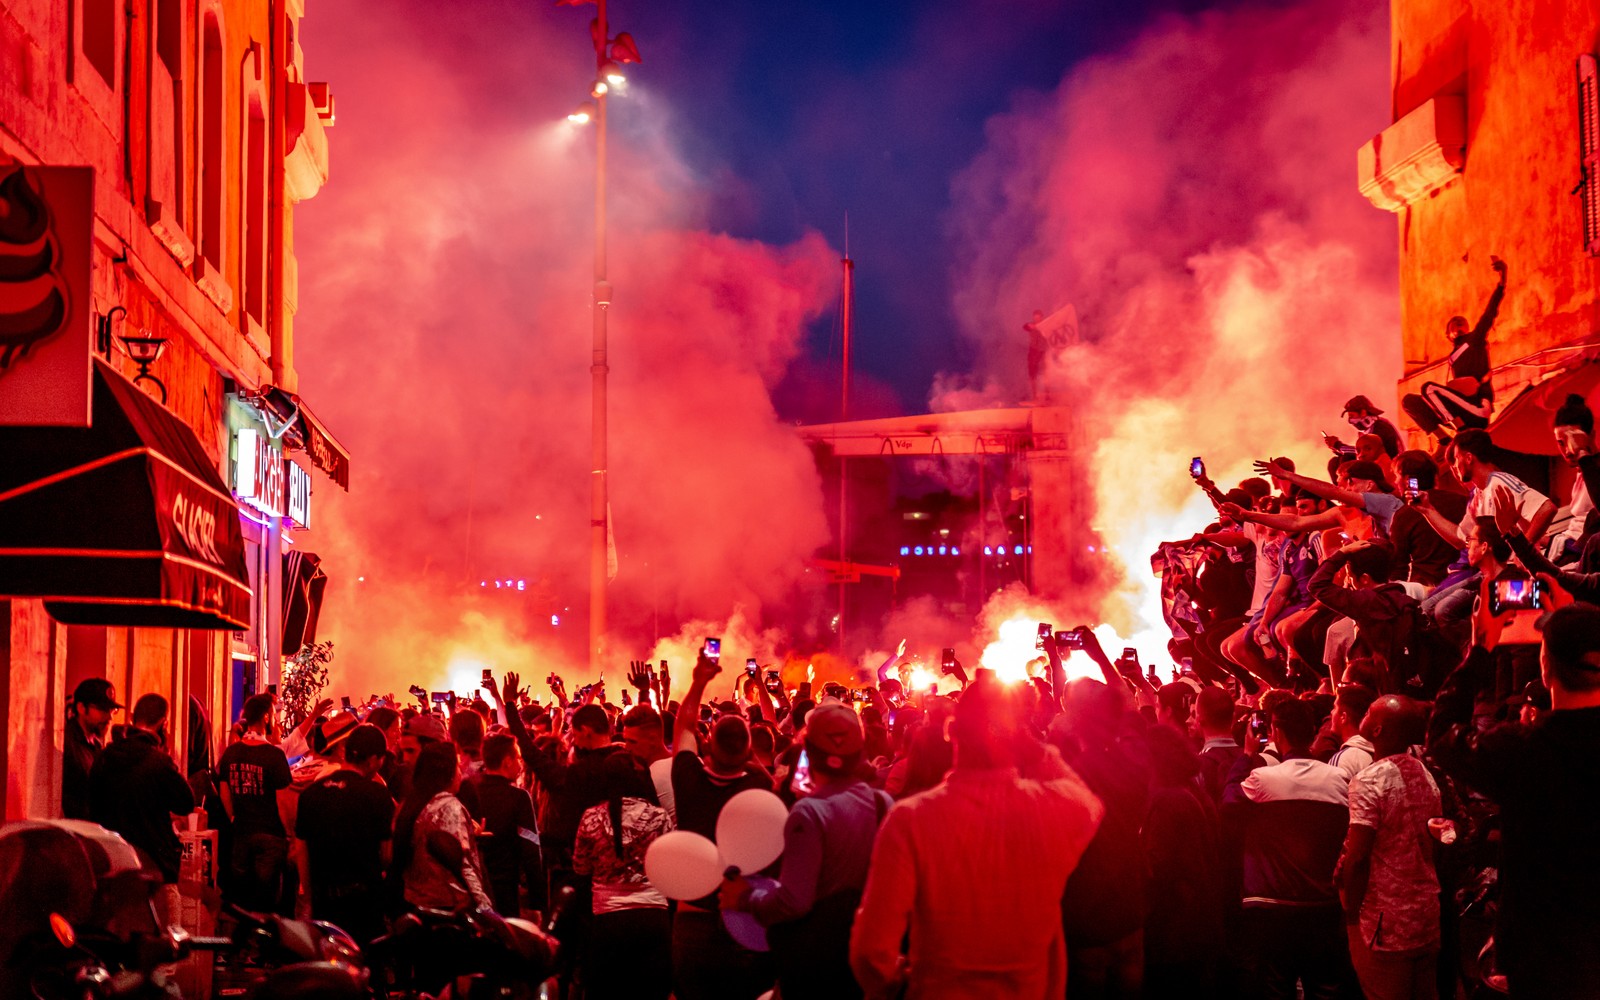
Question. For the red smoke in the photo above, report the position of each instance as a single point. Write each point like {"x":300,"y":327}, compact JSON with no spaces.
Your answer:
{"x":444,"y":334}
{"x":1194,"y":196}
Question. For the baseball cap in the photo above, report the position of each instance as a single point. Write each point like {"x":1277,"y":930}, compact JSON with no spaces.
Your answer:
{"x":428,"y":727}
{"x":1369,"y":471}
{"x":1359,"y":403}
{"x":366,"y":742}
{"x":96,"y":692}
{"x":833,"y":732}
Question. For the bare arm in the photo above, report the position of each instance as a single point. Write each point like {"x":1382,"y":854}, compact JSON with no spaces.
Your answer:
{"x":1321,"y":488}
{"x":888,"y":665}
{"x":689,"y":711}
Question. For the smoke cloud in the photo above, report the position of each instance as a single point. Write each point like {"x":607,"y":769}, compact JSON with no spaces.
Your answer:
{"x":444,"y":335}
{"x":1194,"y":196}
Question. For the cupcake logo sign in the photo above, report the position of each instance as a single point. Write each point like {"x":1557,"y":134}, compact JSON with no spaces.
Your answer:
{"x":34,"y":303}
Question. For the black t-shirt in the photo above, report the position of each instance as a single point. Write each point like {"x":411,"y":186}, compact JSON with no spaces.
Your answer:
{"x":344,"y":820}
{"x":700,"y":795}
{"x":254,"y":772}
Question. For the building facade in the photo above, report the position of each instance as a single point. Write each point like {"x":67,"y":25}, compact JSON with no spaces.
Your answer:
{"x":200,"y":132}
{"x":1494,"y":151}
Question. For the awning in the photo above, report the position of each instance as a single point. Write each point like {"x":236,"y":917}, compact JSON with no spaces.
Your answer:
{"x":125,"y":522}
{"x":288,"y":417}
{"x":1524,"y":423}
{"x":303,"y":584}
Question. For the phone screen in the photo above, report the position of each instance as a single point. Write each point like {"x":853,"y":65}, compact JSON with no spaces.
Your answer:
{"x":750,"y":667}
{"x":801,"y":784}
{"x":713,"y":649}
{"x":1197,"y":468}
{"x":1516,"y":595}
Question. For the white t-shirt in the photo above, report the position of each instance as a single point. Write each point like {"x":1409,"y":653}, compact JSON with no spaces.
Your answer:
{"x":1580,"y":507}
{"x":1482,"y":503}
{"x":661,"y":777}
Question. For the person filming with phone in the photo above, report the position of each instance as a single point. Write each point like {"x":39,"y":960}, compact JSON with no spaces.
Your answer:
{"x":1547,"y":929}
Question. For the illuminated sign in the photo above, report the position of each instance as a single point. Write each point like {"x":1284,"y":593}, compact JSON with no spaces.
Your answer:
{"x":258,"y":476}
{"x":299,"y":495}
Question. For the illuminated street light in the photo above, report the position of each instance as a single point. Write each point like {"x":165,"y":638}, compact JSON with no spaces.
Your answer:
{"x":583,"y":114}
{"x":608,"y":54}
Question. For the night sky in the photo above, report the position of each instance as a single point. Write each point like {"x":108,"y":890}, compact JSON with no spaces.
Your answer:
{"x":802,"y":113}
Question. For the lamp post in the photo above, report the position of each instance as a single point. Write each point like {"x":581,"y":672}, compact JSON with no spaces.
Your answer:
{"x":608,"y":53}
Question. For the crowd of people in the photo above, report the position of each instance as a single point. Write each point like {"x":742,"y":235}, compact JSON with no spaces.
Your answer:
{"x":1369,"y":774}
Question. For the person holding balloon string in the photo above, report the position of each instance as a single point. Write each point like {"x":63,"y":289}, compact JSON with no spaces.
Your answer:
{"x":827,"y":847}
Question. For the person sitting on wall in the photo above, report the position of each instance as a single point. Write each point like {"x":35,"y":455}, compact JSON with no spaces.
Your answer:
{"x":1468,"y":398}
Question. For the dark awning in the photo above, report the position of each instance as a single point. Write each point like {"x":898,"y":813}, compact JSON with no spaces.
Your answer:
{"x":303,"y":584}
{"x":301,"y":430}
{"x":1524,"y":423}
{"x":125,"y":522}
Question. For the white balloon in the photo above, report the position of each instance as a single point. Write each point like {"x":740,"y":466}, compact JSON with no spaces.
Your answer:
{"x":683,"y":865}
{"x":750,"y":830}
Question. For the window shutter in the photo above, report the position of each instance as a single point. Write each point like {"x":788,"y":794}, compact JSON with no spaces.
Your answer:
{"x":1589,"y":136}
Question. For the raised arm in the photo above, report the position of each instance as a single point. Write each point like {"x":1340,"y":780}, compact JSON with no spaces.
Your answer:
{"x":1480,"y":333}
{"x":1293,"y":523}
{"x":888,"y":665}
{"x":1321,"y":488}
{"x":705,"y":670}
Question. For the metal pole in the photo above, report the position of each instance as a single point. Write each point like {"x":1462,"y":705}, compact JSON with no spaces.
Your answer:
{"x":598,"y":512}
{"x":844,"y":414}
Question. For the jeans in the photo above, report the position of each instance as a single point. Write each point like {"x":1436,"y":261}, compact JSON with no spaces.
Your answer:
{"x":630,"y":955}
{"x":1285,"y":945}
{"x":707,"y":964}
{"x":256,"y":865}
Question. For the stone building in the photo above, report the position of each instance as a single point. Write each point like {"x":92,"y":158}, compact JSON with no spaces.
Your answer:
{"x":148,"y":547}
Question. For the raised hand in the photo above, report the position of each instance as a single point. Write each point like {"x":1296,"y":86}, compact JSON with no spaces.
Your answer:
{"x":705,"y":669}
{"x":1498,"y":265}
{"x":639,"y":675}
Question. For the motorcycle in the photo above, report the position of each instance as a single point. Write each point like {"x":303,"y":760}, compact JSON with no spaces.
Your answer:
{"x":467,"y":955}
{"x":82,"y":925}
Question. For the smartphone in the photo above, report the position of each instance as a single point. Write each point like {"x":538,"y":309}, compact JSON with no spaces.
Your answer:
{"x":1130,"y":654}
{"x":772,"y":677}
{"x":1516,"y":595}
{"x":442,"y":697}
{"x":344,"y":702}
{"x":1045,"y":631}
{"x":488,"y":676}
{"x":751,"y":667}
{"x":713,"y":649}
{"x":1069,"y":640}
{"x":801,"y":783}
{"x":663,"y":666}
{"x":1259,"y":727}
{"x":1197,"y":468}
{"x":947,"y":658}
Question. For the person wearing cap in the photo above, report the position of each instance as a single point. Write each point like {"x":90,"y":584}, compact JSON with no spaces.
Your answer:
{"x":827,"y":848}
{"x":421,"y":730}
{"x":1573,"y":426}
{"x":974,"y":869}
{"x":255,"y":778}
{"x":1366,"y":419}
{"x":1547,"y":929}
{"x":345,"y":825}
{"x":93,"y":703}
{"x":1468,"y":398}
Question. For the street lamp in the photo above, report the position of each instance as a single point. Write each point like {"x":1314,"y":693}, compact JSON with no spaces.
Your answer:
{"x":609,"y":53}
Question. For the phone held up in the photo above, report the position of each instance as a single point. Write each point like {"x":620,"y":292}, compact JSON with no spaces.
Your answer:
{"x":802,"y":784}
{"x":947,"y":659}
{"x":751,"y":668}
{"x":1197,"y":468}
{"x":1045,"y":629}
{"x":713,"y":649}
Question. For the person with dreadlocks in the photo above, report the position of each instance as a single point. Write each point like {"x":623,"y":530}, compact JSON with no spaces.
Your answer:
{"x":630,"y":942}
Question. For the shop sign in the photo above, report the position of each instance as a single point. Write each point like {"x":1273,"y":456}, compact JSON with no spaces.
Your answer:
{"x":258,"y":475}
{"x":45,"y":321}
{"x":299,"y":494}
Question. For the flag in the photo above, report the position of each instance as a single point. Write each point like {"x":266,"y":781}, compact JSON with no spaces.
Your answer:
{"x":611,"y":547}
